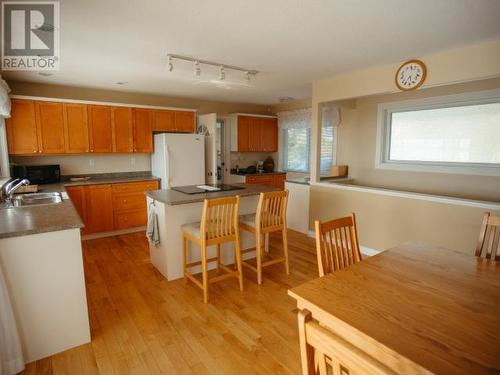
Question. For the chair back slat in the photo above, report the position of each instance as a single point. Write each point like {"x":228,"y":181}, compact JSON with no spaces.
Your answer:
{"x":489,"y":238}
{"x":337,"y":244}
{"x":271,"y":210}
{"x":219,"y":218}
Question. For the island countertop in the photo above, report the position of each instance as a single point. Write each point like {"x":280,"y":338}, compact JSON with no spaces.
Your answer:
{"x":173,"y":197}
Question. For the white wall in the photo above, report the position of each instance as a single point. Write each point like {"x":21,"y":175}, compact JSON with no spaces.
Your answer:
{"x":95,"y":163}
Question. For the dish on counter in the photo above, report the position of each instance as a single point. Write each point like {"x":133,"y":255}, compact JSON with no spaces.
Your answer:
{"x":80,"y":178}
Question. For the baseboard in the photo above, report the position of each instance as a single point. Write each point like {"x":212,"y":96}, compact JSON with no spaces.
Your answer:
{"x":113,"y":233}
{"x":366,"y":251}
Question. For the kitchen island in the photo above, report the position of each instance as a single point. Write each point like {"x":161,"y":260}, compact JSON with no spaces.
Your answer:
{"x":173,"y":209}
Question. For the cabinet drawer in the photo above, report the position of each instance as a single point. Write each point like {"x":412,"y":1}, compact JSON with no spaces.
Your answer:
{"x":260,"y":180}
{"x":130,"y":219}
{"x":131,"y":201}
{"x":135,"y":187}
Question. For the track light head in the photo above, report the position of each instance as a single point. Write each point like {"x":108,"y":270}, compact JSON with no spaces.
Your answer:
{"x":247,"y":76}
{"x":170,"y":65}
{"x":222,"y":73}
{"x":197,"y":69}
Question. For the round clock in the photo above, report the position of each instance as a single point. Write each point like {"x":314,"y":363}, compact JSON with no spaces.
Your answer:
{"x":411,"y":75}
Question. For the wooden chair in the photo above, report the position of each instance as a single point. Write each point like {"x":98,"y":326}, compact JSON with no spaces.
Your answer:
{"x":323,"y":352}
{"x":270,"y":217}
{"x":336,"y":244}
{"x":489,"y":238}
{"x":219,"y":224}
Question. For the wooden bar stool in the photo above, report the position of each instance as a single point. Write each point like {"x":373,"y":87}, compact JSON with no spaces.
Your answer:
{"x":270,"y":217}
{"x":219,"y":224}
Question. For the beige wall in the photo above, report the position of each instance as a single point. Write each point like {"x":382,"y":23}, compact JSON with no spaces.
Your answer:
{"x":80,"y":164}
{"x":386,"y":221}
{"x":357,"y":148}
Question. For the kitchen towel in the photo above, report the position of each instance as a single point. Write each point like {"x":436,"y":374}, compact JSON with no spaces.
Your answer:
{"x":152,"y":231}
{"x":11,"y":355}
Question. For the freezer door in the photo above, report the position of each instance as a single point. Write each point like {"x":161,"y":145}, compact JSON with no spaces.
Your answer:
{"x":185,"y":159}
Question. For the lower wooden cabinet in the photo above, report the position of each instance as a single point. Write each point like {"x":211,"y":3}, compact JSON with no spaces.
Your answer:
{"x":276,"y":180}
{"x":108,"y":207}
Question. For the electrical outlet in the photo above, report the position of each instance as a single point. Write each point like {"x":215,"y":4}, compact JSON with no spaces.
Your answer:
{"x":91,"y":162}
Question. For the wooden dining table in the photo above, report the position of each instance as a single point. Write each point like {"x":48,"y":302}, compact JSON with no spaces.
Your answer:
{"x":416,"y":308}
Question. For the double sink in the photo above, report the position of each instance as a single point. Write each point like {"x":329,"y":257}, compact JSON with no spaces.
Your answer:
{"x":33,"y":199}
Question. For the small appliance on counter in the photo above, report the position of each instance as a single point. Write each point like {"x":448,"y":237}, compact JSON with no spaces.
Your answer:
{"x":38,"y":174}
{"x":260,"y":167}
{"x":268,"y":165}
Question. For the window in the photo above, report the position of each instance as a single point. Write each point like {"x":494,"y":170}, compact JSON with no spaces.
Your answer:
{"x":455,"y":134}
{"x":330,"y":120}
{"x":295,"y":143}
{"x":296,"y":146}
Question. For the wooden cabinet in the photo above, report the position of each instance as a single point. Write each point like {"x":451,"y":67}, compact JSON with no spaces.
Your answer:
{"x":184,"y":121}
{"x":254,"y":134}
{"x":108,"y":207}
{"x":123,"y":132}
{"x":50,"y":127}
{"x":76,"y":129}
{"x":99,"y":208}
{"x":174,"y":121}
{"x":100,"y":128}
{"x":21,"y":128}
{"x":275,"y":180}
{"x":143,"y":130}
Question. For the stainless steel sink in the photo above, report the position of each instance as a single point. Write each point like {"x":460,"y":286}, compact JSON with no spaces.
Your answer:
{"x":35,"y":199}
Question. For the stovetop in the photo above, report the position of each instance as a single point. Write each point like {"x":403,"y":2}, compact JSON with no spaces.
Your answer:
{"x":206,"y":188}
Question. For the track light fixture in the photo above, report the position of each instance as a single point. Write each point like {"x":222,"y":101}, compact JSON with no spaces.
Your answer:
{"x":197,"y":69}
{"x":170,"y":65}
{"x":222,"y":67}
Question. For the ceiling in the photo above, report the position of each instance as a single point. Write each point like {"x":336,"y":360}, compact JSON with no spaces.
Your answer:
{"x":291,"y":42}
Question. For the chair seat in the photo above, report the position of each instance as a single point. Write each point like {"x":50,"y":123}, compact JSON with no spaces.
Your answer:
{"x":248,"y":220}
{"x":193,"y":229}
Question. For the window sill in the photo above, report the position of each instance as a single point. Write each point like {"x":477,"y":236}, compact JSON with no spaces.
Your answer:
{"x":451,"y":168}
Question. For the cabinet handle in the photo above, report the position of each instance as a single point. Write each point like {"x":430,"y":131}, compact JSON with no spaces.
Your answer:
{"x":35,"y":150}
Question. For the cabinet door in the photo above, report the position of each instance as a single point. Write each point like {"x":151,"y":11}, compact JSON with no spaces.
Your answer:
{"x":121,"y":118}
{"x":163,"y":121}
{"x":21,"y":128}
{"x":101,"y":132}
{"x":269,"y":135}
{"x":244,"y":123}
{"x":184,"y":121}
{"x":255,"y":134}
{"x":50,"y":127}
{"x":77,"y":196}
{"x":76,"y":128}
{"x":143,"y":130}
{"x":260,"y":180}
{"x":279,"y":181}
{"x":99,"y":208}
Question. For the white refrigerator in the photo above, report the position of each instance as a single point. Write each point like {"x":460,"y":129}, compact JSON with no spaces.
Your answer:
{"x":179,"y":159}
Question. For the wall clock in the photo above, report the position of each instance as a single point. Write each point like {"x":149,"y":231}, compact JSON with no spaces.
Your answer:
{"x":411,"y":75}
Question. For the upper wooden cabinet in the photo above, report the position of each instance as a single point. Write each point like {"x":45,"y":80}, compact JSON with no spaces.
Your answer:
{"x":41,"y":127}
{"x":254,"y":133}
{"x":143,"y":128}
{"x":123,"y":132}
{"x":21,"y":128}
{"x":174,"y":121}
{"x":101,"y":130}
{"x":76,"y":129}
{"x":50,"y":127}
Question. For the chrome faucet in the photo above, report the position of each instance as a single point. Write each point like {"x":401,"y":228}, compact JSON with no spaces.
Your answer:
{"x":9,"y":188}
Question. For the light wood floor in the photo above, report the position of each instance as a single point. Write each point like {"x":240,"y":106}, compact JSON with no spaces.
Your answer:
{"x":143,"y":324}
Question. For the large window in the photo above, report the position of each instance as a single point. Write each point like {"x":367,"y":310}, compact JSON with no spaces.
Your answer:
{"x":330,"y":120}
{"x":295,"y":141}
{"x":456,"y":134}
{"x":296,"y":147}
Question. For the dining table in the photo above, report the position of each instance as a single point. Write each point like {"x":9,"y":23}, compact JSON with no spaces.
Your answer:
{"x":415,"y":308}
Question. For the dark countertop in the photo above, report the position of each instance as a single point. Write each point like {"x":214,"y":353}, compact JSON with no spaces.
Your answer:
{"x":173,"y":197}
{"x":21,"y":221}
{"x":258,"y":174}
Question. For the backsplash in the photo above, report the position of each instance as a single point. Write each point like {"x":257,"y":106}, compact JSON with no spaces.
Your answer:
{"x":245,"y":159}
{"x":90,"y":164}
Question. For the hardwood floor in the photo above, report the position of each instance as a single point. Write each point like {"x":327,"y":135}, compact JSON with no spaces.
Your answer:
{"x":143,"y":324}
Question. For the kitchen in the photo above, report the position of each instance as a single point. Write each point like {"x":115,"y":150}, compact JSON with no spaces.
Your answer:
{"x":189,"y":191}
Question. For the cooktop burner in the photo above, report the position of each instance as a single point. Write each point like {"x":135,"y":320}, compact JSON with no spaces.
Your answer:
{"x":207,"y":188}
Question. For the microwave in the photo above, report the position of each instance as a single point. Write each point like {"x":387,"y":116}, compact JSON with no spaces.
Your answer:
{"x":38,"y":174}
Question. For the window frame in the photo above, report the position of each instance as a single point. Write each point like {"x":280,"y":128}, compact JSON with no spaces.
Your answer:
{"x":384,"y":115}
{"x":284,"y":154}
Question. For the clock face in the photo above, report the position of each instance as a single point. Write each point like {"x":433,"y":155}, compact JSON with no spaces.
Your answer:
{"x":411,"y":75}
